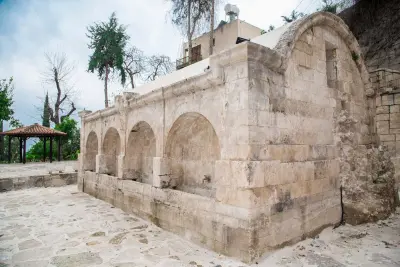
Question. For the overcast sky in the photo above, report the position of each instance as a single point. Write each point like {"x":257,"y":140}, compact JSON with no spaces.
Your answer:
{"x":29,"y":28}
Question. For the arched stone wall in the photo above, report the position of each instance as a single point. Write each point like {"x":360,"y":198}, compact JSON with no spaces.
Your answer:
{"x":92,"y":144}
{"x":292,"y":35}
{"x":140,"y":150}
{"x":192,"y":148}
{"x":111,"y":150}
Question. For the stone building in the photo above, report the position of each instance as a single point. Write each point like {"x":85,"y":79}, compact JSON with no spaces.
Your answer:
{"x":247,"y":150}
{"x":225,"y":36}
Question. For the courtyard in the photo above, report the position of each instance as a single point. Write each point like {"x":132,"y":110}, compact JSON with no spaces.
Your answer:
{"x":64,"y":227}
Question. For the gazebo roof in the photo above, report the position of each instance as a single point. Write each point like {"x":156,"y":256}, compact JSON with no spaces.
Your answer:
{"x":35,"y":130}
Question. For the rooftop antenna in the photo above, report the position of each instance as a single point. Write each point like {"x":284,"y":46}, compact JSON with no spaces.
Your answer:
{"x":232,"y":11}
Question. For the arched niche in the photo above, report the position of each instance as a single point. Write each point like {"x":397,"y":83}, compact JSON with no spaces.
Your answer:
{"x":192,"y":148}
{"x":111,"y":150}
{"x":140,"y":150}
{"x":91,"y":152}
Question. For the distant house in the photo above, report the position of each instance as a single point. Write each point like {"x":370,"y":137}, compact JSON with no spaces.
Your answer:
{"x":225,"y":37}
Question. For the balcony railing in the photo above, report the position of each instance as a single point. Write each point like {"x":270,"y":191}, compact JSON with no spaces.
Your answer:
{"x":184,"y":62}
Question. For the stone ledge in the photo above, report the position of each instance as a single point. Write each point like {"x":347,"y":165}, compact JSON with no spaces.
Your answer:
{"x":48,"y":180}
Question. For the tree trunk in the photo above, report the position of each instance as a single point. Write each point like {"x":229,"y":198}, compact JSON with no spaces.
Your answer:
{"x":105,"y":88}
{"x":212,"y":27}
{"x":189,"y":34}
{"x":131,"y":78}
{"x":1,"y":142}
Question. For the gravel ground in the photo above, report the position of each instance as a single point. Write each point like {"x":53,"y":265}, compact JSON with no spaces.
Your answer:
{"x":63,"y":227}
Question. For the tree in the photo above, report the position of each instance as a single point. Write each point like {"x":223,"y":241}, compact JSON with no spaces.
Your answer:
{"x":71,"y":143}
{"x":108,"y":40}
{"x":46,"y":113}
{"x":293,"y":16}
{"x":6,"y":110}
{"x":156,"y":66}
{"x":330,"y":6}
{"x":13,"y":123}
{"x":134,"y":63}
{"x":57,"y":74}
{"x":271,"y":28}
{"x":190,"y":16}
{"x":212,"y":18}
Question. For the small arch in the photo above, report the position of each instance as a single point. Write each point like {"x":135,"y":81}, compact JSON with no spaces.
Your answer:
{"x":140,"y":150}
{"x":192,"y":148}
{"x":111,"y":150}
{"x":91,"y":152}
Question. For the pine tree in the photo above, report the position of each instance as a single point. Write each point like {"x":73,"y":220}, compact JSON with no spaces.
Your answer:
{"x":46,"y":114}
{"x":108,"y":41}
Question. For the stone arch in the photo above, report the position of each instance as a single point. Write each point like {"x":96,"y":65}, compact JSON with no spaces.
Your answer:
{"x":192,"y":148}
{"x":140,"y":150}
{"x":289,"y":39}
{"x":91,"y":152}
{"x":111,"y":150}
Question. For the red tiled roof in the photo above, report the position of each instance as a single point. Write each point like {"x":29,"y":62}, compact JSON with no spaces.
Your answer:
{"x":33,"y":130}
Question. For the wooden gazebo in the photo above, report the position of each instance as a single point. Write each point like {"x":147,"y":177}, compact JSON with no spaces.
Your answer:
{"x":35,"y":130}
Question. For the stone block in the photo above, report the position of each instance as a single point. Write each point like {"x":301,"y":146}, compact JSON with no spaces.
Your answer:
{"x":101,"y":163}
{"x":395,"y":109}
{"x":120,"y":165}
{"x":397,"y":99}
{"x":382,"y":110}
{"x":394,"y":117}
{"x":387,"y":137}
{"x":161,"y":171}
{"x":382,"y":117}
{"x":395,"y":124}
{"x":378,"y":101}
{"x":382,"y":127}
{"x":248,"y":174}
{"x":387,"y":100}
{"x":395,"y":131}
{"x":223,"y":173}
{"x":6,"y":185}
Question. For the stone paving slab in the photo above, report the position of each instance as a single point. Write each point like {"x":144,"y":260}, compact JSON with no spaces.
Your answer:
{"x":61,"y":227}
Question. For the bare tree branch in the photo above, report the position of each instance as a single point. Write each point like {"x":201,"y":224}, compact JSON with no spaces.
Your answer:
{"x":134,"y":63}
{"x":158,"y":65}
{"x":58,"y":74}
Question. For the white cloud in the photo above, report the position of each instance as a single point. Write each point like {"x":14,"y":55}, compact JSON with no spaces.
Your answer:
{"x":30,"y":28}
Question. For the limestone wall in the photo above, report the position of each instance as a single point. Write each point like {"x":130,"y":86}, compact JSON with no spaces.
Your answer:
{"x":251,"y":154}
{"x":387,"y":113}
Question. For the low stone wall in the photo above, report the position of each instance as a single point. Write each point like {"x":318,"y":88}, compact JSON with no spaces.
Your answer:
{"x":48,"y":180}
{"x":238,"y":232}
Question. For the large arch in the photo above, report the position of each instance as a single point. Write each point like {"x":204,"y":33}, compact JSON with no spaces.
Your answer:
{"x":111,"y":150}
{"x":140,"y":150}
{"x":192,"y":148}
{"x":289,"y":38}
{"x":91,"y":152}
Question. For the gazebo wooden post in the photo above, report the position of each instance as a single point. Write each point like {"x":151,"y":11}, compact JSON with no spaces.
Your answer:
{"x":59,"y":149}
{"x":51,"y":149}
{"x":20,"y":150}
{"x":24,"y":152}
{"x":9,"y":149}
{"x":44,"y":149}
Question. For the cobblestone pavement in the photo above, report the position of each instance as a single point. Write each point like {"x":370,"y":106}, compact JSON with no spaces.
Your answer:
{"x":63,"y":227}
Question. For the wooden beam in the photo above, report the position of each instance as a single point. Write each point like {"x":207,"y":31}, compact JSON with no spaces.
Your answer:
{"x":59,"y":149}
{"x":44,"y":149}
{"x":51,"y":149}
{"x":24,"y":152}
{"x":20,"y":150}
{"x":9,"y":149}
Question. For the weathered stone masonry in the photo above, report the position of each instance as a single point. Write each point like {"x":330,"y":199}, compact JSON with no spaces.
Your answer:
{"x":249,"y":155}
